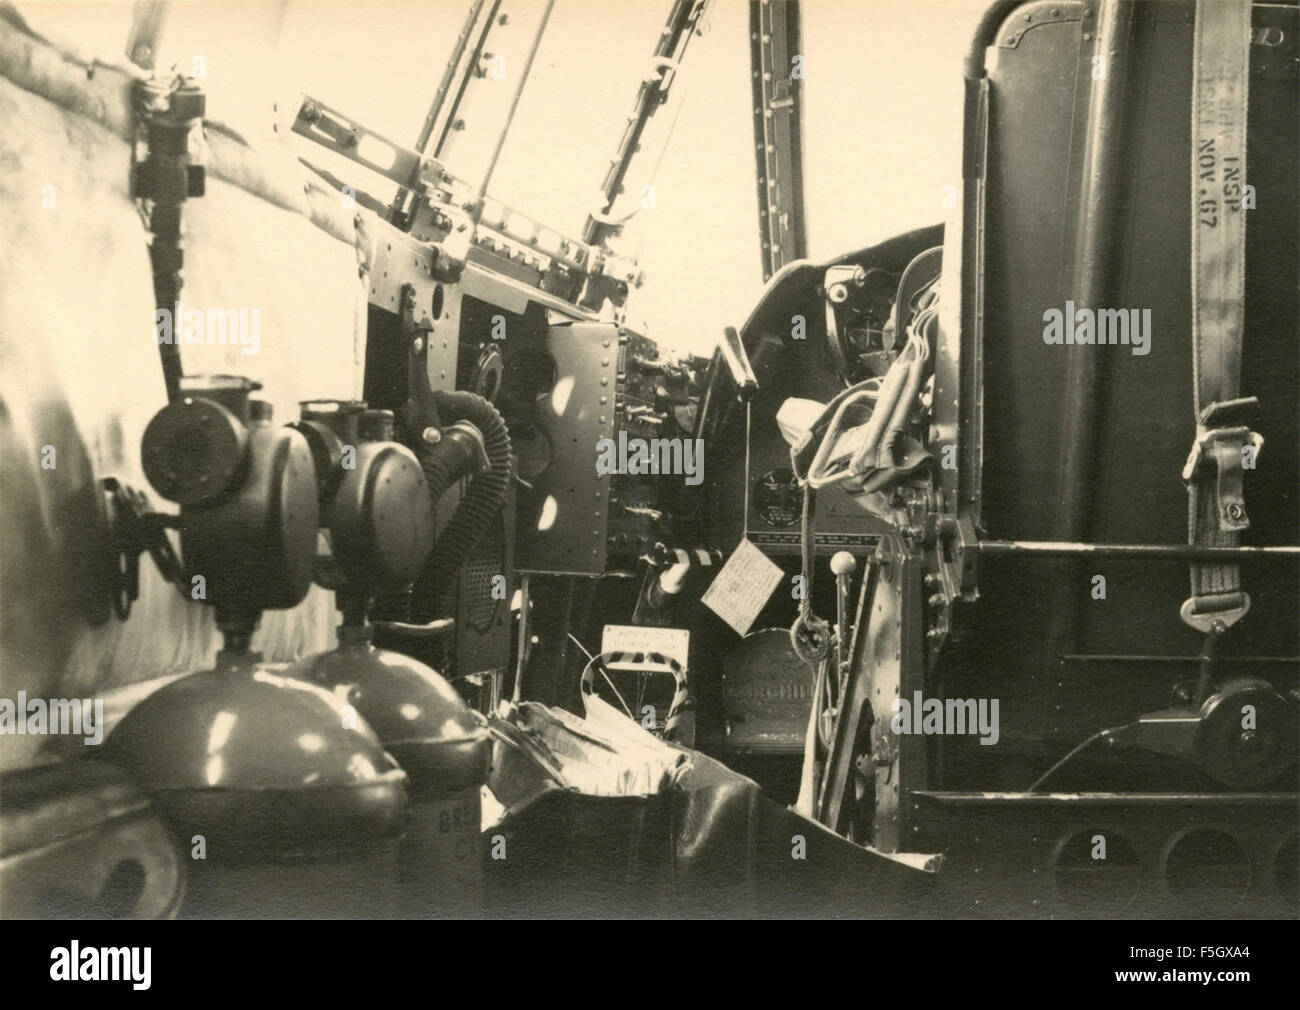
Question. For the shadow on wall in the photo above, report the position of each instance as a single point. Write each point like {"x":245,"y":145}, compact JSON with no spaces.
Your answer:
{"x":81,"y":379}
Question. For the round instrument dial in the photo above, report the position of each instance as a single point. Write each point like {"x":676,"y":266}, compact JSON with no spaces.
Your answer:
{"x":776,"y":498}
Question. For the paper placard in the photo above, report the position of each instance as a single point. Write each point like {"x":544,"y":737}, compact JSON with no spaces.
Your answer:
{"x":672,"y":642}
{"x":743,"y":587}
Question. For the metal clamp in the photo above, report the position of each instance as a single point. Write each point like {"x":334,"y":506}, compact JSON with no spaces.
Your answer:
{"x":1220,"y":451}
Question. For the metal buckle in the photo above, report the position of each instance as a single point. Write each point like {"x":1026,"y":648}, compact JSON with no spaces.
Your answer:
{"x":1203,"y":612}
{"x":1221,"y":450}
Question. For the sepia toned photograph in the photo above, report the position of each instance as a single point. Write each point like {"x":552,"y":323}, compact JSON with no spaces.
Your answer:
{"x":676,"y":460}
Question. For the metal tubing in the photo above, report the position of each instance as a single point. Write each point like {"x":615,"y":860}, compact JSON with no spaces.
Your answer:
{"x":449,"y":121}
{"x":514,"y":105}
{"x":1136,"y":552}
{"x":1097,"y":236}
{"x":439,"y":98}
{"x":986,"y":33}
{"x":1097,"y":233}
{"x":683,"y":20}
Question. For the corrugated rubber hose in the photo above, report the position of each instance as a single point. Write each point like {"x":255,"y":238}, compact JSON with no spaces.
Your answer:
{"x":478,"y":510}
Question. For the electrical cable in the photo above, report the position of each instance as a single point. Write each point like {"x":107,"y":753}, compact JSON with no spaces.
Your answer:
{"x":1100,"y":734}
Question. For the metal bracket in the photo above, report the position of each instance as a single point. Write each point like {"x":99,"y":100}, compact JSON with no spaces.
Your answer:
{"x":1220,"y":451}
{"x":136,"y":529}
{"x":169,"y":111}
{"x":1029,"y":16}
{"x":343,"y":135}
{"x":420,"y":411}
{"x":778,"y":131}
{"x":453,"y":223}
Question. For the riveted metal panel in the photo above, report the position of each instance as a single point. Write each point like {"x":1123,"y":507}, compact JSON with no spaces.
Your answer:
{"x":563,"y":516}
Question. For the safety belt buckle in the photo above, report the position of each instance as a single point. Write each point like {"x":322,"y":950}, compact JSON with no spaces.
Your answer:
{"x":1221,"y":453}
{"x":1222,"y":609}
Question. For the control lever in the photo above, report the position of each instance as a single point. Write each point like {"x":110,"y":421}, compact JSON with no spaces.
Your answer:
{"x":733,"y":353}
{"x":843,"y":565}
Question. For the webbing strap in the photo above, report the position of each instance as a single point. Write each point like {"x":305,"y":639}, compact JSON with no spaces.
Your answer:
{"x":1216,"y":511}
{"x":679,"y":727}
